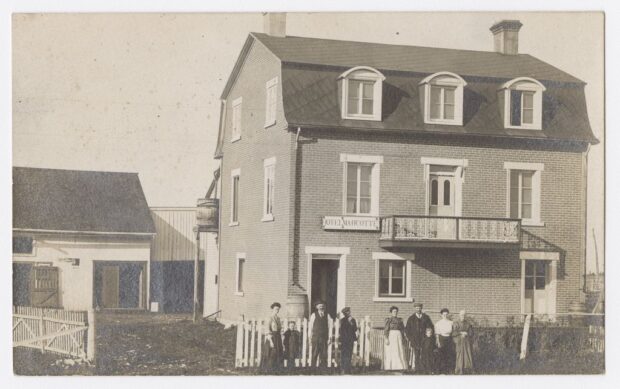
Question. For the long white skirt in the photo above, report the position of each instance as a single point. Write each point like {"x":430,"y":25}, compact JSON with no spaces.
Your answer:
{"x":394,"y":353}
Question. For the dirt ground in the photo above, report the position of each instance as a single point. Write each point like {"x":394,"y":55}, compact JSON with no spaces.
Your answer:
{"x":162,"y":344}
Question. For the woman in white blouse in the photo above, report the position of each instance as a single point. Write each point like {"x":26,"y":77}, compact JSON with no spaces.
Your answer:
{"x":443,"y":331}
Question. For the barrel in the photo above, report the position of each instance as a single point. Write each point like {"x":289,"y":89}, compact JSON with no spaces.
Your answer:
{"x":207,"y":213}
{"x":297,"y":306}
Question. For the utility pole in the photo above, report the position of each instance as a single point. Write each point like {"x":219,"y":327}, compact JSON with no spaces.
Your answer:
{"x":196,"y":270}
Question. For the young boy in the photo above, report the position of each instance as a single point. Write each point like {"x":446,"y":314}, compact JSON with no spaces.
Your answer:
{"x":292,"y":340}
{"x":428,"y":355}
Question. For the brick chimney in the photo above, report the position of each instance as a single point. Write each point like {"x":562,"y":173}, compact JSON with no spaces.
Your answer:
{"x":506,"y":36}
{"x":274,"y":23}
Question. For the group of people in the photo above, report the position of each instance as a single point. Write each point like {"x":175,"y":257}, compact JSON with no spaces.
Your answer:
{"x":442,"y":348}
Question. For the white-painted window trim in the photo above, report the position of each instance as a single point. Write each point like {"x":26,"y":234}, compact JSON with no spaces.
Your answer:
{"x":459,"y":179}
{"x":537,"y":169}
{"x":271,"y":101}
{"x":234,"y":206}
{"x":375,"y":183}
{"x":363,"y":73}
{"x":388,"y":256}
{"x":552,"y":288}
{"x":524,"y":84}
{"x":34,"y":247}
{"x":338,"y":253}
{"x":269,"y":175}
{"x":239,"y":286}
{"x":444,"y":80}
{"x":237,"y":114}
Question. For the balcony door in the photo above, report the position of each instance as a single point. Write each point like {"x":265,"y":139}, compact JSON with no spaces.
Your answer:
{"x":442,"y":188}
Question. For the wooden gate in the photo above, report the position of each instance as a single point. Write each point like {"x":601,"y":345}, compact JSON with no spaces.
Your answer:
{"x":54,"y":330}
{"x":44,"y":287}
{"x":251,"y":336}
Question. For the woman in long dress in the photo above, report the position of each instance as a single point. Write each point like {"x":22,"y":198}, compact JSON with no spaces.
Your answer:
{"x":393,"y":350}
{"x":273,"y":340}
{"x":445,"y":344}
{"x":461,"y":333}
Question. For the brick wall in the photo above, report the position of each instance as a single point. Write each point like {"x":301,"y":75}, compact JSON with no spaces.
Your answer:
{"x":478,"y":280}
{"x":266,"y":244}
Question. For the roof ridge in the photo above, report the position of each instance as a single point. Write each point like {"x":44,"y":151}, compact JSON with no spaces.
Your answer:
{"x":72,"y":170}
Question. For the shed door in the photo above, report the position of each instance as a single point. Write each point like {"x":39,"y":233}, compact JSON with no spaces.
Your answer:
{"x":109,"y":286}
{"x":44,"y":291}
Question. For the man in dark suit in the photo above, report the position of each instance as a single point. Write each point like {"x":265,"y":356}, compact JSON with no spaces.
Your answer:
{"x":348,"y":335}
{"x":318,"y":332}
{"x":415,"y":330}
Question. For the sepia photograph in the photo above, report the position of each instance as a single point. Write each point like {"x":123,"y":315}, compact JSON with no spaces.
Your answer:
{"x":308,"y":193}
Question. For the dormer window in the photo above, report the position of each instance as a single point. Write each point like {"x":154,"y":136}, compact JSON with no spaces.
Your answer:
{"x":361,"y":93}
{"x":443,"y":98}
{"x":523,"y":103}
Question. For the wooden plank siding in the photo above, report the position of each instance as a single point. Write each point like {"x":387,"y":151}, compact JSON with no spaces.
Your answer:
{"x":175,"y":239}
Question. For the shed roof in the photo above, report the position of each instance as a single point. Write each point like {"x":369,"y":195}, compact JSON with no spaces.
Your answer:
{"x":79,"y":201}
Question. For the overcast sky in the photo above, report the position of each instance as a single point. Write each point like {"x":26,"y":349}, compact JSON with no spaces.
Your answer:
{"x":140,"y":92}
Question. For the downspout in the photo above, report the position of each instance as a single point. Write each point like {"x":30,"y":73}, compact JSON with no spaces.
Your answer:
{"x":585,"y":213}
{"x":294,"y":225}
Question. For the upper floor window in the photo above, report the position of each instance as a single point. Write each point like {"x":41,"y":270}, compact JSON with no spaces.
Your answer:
{"x":443,"y":98}
{"x":524,"y":192}
{"x":268,"y":188}
{"x":271,"y":102}
{"x":236,"y":119}
{"x":23,"y":245}
{"x":361,"y":189}
{"x":235,"y":176}
{"x":362,"y":93}
{"x":523,"y":103}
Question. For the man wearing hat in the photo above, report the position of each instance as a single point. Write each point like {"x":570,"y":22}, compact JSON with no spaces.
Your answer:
{"x":319,"y":335}
{"x":348,"y":335}
{"x":416,"y":329}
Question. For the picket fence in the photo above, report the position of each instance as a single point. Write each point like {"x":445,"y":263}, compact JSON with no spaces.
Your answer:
{"x":596,"y":338}
{"x":251,"y":337}
{"x":58,"y":331}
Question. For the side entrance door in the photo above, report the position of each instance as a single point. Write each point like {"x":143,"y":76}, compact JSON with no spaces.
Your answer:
{"x":536,"y":286}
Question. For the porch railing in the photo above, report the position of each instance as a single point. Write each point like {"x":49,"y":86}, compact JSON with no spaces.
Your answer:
{"x":445,"y":228}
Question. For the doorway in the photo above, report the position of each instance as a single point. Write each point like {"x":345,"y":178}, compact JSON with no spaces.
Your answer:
{"x":120,"y":285}
{"x":442,"y":196}
{"x":536,"y":286}
{"x":325,"y":283}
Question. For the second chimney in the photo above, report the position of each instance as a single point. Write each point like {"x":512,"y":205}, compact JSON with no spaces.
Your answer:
{"x":506,"y":36}
{"x":274,"y":23}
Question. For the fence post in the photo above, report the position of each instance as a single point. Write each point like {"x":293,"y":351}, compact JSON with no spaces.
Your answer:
{"x":42,"y":330}
{"x":90,"y":336}
{"x":526,"y":332}
{"x":239,"y":350}
{"x":367,"y":341}
{"x":304,"y":346}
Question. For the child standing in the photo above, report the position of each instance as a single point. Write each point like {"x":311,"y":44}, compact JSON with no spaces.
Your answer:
{"x":429,"y":351}
{"x":292,"y":340}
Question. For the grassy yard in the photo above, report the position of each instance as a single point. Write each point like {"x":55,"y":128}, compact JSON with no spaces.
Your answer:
{"x":158,"y":344}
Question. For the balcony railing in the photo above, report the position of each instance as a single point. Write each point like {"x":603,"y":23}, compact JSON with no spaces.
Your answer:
{"x":450,"y":229}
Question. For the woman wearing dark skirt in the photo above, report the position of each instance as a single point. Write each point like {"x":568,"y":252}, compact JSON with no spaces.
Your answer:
{"x":445,"y":344}
{"x":273,"y":340}
{"x":462,"y":333}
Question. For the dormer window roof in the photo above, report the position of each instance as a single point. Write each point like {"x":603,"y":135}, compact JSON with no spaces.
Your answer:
{"x":522,"y":99}
{"x":362,"y":88}
{"x":443,"y":98}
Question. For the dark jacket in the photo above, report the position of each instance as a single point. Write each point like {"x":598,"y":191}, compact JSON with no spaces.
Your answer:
{"x":292,"y":341}
{"x":416,"y":328}
{"x":348,"y":331}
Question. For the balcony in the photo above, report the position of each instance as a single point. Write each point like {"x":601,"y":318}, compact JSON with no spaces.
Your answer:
{"x":443,"y":231}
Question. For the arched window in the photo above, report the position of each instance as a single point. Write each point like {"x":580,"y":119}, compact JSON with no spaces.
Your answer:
{"x":446,"y":192}
{"x":522,"y":103}
{"x":361,"y":93}
{"x":434,"y":192}
{"x":443,"y":98}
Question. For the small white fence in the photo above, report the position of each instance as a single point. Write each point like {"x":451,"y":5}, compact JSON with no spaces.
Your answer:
{"x":69,"y":333}
{"x":251,"y":337}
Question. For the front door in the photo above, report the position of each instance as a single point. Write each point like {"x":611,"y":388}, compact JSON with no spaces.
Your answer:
{"x":441,"y":202}
{"x":536,"y":286}
{"x":325,"y":284}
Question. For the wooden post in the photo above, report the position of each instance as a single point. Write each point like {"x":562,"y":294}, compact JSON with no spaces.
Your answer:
{"x":91,"y":344}
{"x":253,"y":331}
{"x":41,"y":330}
{"x":366,"y":341}
{"x":239,"y":348}
{"x":526,"y":332}
{"x":196,"y":269}
{"x":304,"y":345}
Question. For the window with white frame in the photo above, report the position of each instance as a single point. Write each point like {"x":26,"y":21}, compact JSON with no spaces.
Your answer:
{"x":240,"y":274}
{"x":361,"y":184}
{"x":235,"y":176}
{"x":393,"y":276}
{"x":523,"y":98}
{"x":443,"y":98}
{"x":271,"y":102}
{"x":524,"y":191}
{"x":362,"y":93}
{"x":269,"y":166}
{"x":23,"y":245}
{"x":236,"y":119}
